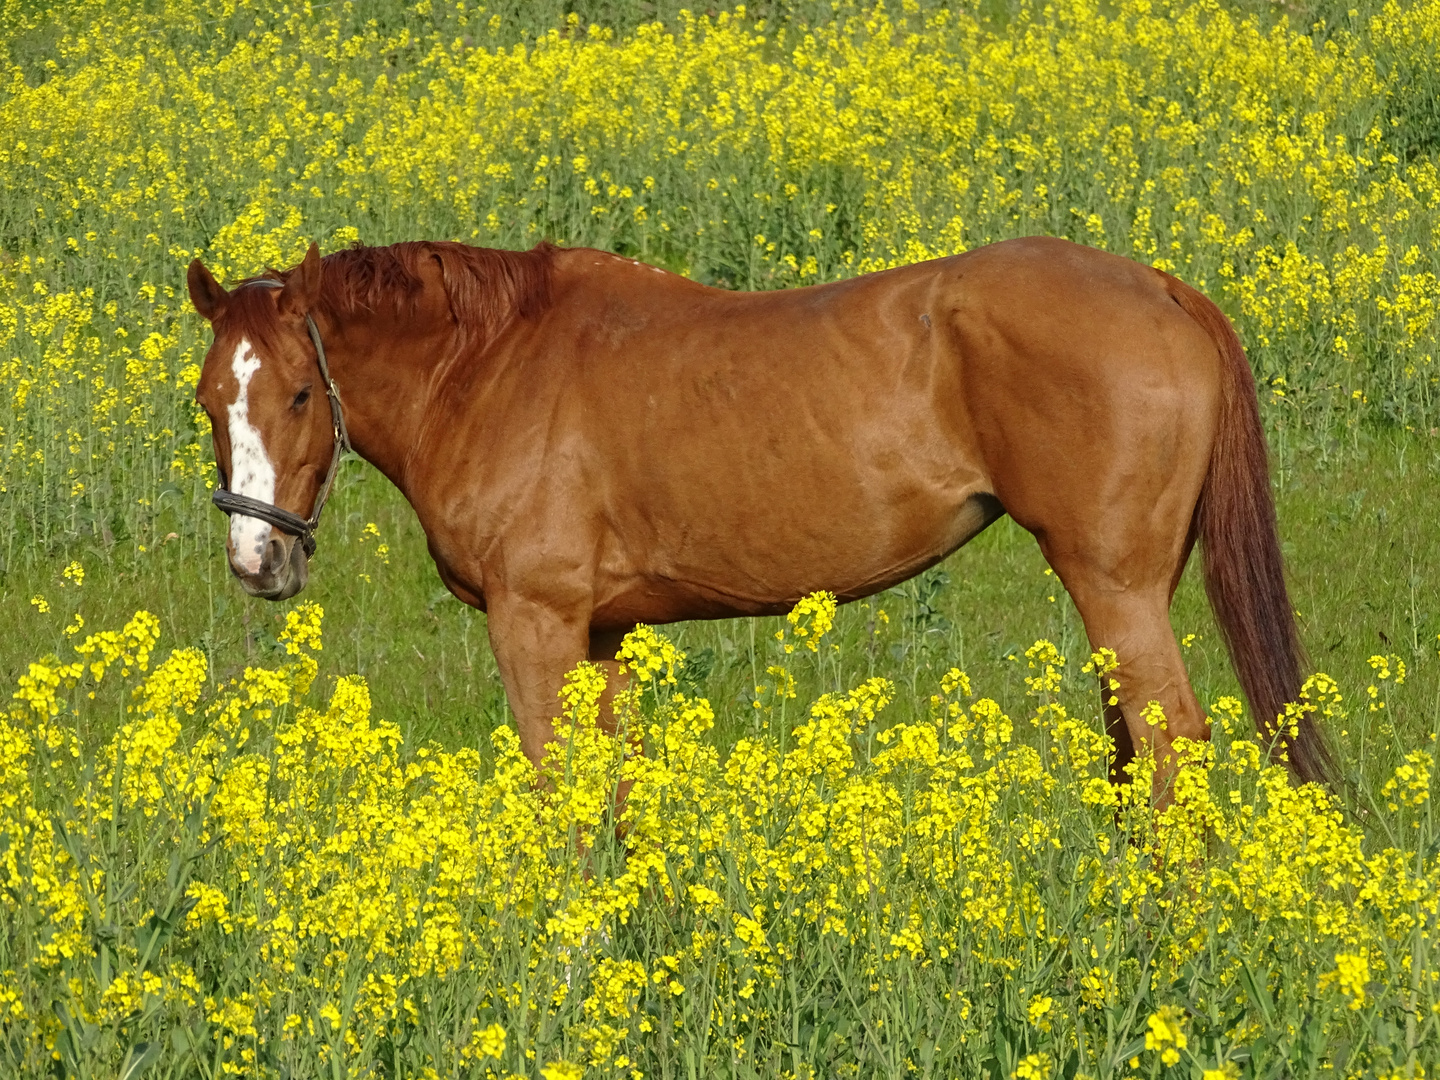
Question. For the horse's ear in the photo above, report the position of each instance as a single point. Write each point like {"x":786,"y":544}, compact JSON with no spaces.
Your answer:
{"x":207,"y":294}
{"x":302,"y":287}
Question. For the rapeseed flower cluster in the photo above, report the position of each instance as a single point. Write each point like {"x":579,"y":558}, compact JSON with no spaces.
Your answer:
{"x":266,"y":883}
{"x":1287,"y":170}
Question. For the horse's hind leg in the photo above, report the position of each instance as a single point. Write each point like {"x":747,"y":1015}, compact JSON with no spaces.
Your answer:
{"x":1133,"y":619}
{"x":1115,"y":725}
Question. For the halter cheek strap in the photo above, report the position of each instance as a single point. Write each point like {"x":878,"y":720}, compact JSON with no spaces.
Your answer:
{"x":301,"y":528}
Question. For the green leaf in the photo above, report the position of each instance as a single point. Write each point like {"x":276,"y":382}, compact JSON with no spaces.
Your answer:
{"x":194,"y":1039}
{"x":1258,"y":992}
{"x":1135,"y":1049}
{"x":140,"y":1058}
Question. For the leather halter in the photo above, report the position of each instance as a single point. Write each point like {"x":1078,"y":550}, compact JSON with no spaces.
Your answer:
{"x":301,"y":528}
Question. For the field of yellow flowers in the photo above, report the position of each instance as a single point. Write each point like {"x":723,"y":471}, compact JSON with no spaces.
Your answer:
{"x":841,"y":854}
{"x":246,"y":879}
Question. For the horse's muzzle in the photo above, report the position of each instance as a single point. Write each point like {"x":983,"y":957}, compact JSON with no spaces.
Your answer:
{"x":283,"y":572}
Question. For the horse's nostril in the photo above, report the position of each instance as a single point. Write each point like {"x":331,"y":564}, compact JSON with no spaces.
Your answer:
{"x":274,"y":557}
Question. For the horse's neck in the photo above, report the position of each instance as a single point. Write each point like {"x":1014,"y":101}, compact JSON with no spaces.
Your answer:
{"x":384,"y":371}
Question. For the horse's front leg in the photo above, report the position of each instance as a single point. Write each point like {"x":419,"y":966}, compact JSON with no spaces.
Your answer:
{"x":536,"y":643}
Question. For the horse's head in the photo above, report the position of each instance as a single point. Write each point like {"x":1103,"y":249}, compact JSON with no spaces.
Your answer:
{"x":266,"y":397}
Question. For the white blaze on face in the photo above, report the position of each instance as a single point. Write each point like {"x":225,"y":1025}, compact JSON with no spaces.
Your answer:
{"x":251,"y":472}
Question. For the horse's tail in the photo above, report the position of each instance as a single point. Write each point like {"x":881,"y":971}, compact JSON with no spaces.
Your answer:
{"x":1244,"y":573}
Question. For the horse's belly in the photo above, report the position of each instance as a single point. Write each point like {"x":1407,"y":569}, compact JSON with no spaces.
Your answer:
{"x":701,"y":575}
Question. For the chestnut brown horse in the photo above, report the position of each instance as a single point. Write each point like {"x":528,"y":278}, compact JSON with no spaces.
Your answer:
{"x":591,"y":443}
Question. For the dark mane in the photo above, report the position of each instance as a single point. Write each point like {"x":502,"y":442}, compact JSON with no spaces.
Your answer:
{"x":486,"y":287}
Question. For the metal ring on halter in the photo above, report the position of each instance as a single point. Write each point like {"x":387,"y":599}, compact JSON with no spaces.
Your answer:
{"x":302,"y":529}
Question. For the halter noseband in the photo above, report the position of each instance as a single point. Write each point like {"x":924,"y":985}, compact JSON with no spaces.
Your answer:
{"x":301,"y":528}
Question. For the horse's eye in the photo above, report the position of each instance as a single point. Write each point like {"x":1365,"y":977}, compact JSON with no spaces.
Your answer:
{"x":301,"y":398}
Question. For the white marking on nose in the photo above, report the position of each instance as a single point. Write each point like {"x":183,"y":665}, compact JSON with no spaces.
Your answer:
{"x":251,"y":471}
